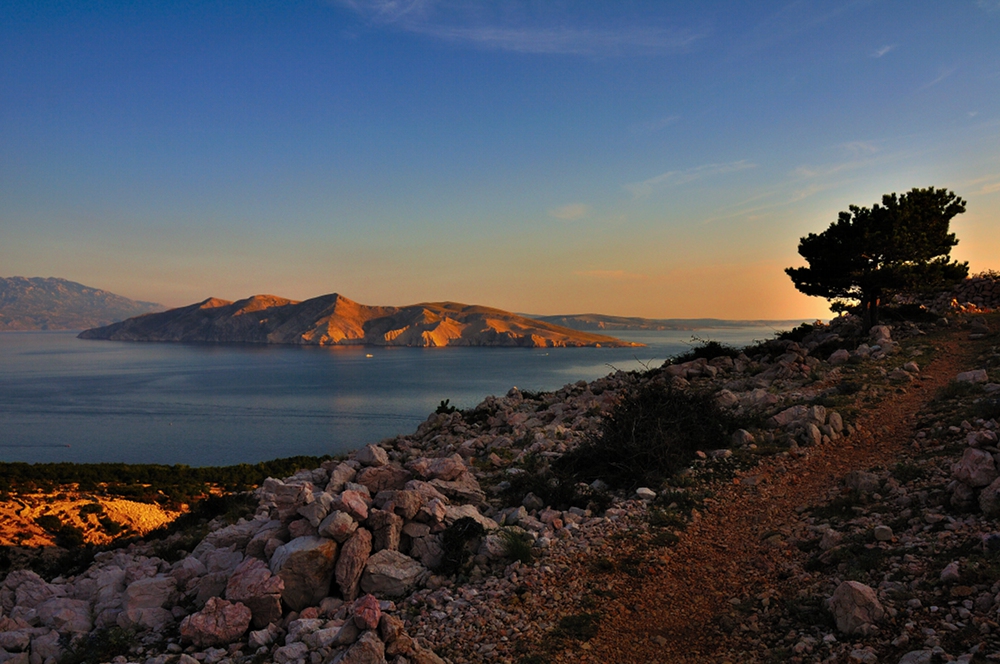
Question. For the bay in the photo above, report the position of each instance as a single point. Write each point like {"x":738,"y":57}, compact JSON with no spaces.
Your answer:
{"x":67,"y":399}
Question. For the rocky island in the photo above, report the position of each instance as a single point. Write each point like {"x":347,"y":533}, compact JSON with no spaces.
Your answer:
{"x":334,"y":320}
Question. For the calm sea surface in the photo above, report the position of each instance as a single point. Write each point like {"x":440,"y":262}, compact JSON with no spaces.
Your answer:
{"x":66,"y":399}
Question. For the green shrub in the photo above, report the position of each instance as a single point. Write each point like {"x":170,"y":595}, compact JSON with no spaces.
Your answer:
{"x":517,"y":545}
{"x":652,"y":434}
{"x":101,"y":645}
{"x":110,"y":526}
{"x":444,"y":408}
{"x":455,"y":540}
{"x":90,"y":508}
{"x":706,"y":350}
{"x":69,"y":537}
{"x":49,"y":522}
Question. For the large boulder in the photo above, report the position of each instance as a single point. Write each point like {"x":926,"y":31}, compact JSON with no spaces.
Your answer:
{"x":383,"y":478}
{"x":338,"y":526}
{"x":391,"y":574}
{"x":340,"y":475}
{"x":368,"y":649}
{"x":351,"y":563}
{"x":386,"y":529}
{"x":372,"y":455}
{"x":353,"y":503}
{"x":253,"y":585}
{"x":464,"y":488}
{"x":455,"y":512}
{"x":975,"y":376}
{"x":219,"y":623}
{"x":145,"y":600}
{"x":975,"y":468}
{"x":855,"y":607}
{"x":366,"y":612}
{"x":65,"y":615}
{"x":26,"y":589}
{"x":305,"y":565}
{"x":989,"y":499}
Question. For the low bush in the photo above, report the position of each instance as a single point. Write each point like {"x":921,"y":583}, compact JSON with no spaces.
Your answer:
{"x":455,"y":542}
{"x":706,"y":349}
{"x":652,"y":434}
{"x":101,"y":645}
{"x":49,"y":523}
{"x":517,"y":545}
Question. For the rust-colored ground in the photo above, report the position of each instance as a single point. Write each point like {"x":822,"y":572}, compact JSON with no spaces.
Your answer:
{"x":670,"y":614}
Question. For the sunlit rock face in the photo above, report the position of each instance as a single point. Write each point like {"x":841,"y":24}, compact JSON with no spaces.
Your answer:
{"x":333,"y":320}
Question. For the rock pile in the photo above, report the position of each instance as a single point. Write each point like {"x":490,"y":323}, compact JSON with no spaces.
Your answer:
{"x":316,"y":575}
{"x":975,"y":294}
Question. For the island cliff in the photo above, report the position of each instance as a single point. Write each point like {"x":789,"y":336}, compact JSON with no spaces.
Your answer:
{"x":334,"y":320}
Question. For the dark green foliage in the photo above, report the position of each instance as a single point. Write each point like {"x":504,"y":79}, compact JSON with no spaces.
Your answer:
{"x":69,"y":537}
{"x":578,"y":627}
{"x":101,"y":645}
{"x":90,"y":508}
{"x":915,"y":313}
{"x":797,"y":334}
{"x":49,"y":522}
{"x":170,"y":485}
{"x":902,"y":245}
{"x":517,"y":545}
{"x":444,"y":408}
{"x":556,"y":487}
{"x":706,"y":349}
{"x":907,"y":472}
{"x":110,"y":526}
{"x":455,"y":540}
{"x":956,"y":389}
{"x":987,"y":408}
{"x":231,"y":507}
{"x":652,"y":433}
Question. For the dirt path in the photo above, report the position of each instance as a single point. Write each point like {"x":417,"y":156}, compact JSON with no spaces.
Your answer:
{"x":671,"y":613}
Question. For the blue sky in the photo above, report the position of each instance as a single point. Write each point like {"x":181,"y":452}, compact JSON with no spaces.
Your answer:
{"x":634,"y":158}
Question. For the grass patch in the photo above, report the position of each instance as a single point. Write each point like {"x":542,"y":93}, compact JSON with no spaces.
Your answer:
{"x":517,"y":545}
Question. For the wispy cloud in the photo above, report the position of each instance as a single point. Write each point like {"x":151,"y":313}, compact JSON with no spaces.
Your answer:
{"x":510,"y":26}
{"x":612,"y":275}
{"x":989,"y":5}
{"x":882,"y":51}
{"x":860,"y":148}
{"x":569,"y":212}
{"x":987,"y":185}
{"x":654,"y":125}
{"x":674,"y":178}
{"x":945,"y":73}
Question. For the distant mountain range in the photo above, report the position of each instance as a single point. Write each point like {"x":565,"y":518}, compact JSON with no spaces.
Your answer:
{"x":57,"y":304}
{"x":589,"y":322}
{"x":333,"y":319}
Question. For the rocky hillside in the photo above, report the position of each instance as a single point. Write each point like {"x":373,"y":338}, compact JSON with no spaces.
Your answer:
{"x":823,"y":522}
{"x":332,"y":320}
{"x":56,"y":304}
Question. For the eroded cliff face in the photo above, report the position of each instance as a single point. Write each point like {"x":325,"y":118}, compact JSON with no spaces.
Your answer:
{"x":333,"y":319}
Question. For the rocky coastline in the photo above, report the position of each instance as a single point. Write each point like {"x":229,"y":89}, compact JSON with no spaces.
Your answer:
{"x":420,"y":548}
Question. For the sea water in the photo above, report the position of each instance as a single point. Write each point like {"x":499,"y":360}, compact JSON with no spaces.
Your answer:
{"x":67,"y":399}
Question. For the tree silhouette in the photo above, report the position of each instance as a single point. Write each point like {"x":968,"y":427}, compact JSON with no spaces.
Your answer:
{"x":868,"y":254}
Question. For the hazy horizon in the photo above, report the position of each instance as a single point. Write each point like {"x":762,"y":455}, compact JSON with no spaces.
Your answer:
{"x":636,"y":159}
